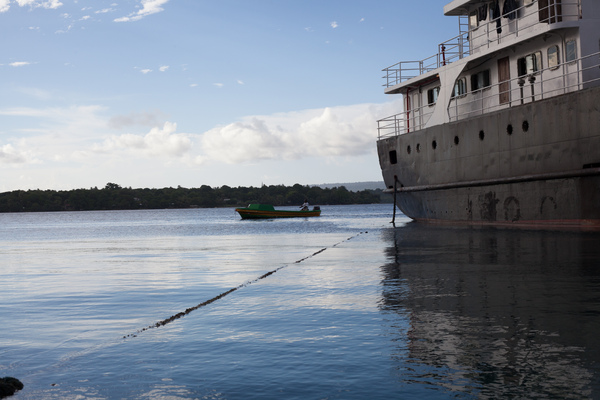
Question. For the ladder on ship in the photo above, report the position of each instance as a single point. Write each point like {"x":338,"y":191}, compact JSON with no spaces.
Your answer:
{"x":463,"y":32}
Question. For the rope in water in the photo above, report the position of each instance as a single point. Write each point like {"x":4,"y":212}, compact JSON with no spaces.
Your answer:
{"x":220,"y":296}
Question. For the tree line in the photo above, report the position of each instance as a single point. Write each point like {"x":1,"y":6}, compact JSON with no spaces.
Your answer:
{"x":115,"y":197}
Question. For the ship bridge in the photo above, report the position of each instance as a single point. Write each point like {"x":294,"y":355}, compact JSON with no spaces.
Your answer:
{"x":465,"y":78}
{"x":486,"y":28}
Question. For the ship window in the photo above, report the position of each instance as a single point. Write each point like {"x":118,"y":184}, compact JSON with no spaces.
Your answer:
{"x":473,"y":20}
{"x":530,"y":64}
{"x":432,"y":95}
{"x":553,"y":57}
{"x":460,"y":88}
{"x":480,"y":80}
{"x":393,"y":157}
{"x":571,"y":51}
{"x":550,"y":11}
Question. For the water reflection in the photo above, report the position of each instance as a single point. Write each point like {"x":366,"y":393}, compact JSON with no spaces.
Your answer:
{"x":496,"y":313}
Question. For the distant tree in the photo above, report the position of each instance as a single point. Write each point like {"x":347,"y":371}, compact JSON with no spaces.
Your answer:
{"x":115,"y":197}
{"x":112,"y":186}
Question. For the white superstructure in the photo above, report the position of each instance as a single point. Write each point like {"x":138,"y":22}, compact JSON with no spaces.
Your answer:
{"x":496,"y":61}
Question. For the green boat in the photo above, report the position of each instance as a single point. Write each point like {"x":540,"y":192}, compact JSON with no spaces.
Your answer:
{"x":266,"y":211}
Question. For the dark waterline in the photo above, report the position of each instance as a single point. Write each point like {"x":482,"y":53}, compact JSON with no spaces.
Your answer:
{"x":356,"y":308}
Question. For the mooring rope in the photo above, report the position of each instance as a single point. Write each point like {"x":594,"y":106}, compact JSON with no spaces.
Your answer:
{"x":220,"y":296}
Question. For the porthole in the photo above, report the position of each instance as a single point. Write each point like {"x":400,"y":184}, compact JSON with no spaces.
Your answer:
{"x":525,"y":126}
{"x":408,"y":150}
{"x":418,"y":147}
{"x":481,"y":135}
{"x":434,"y":144}
{"x":456,"y":140}
{"x":509,"y":129}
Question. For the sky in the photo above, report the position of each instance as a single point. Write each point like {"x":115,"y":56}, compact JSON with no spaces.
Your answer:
{"x":167,"y":93}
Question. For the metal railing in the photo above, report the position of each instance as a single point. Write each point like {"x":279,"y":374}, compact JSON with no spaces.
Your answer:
{"x":448,"y":52}
{"x":566,"y":77}
{"x":569,"y":76}
{"x":484,"y":36}
{"x":408,"y":121}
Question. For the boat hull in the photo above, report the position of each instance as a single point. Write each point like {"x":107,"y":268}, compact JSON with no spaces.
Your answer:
{"x":569,"y":202}
{"x":261,"y":214}
{"x":535,"y":164}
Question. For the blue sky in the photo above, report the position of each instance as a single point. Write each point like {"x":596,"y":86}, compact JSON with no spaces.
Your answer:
{"x":155,"y":93}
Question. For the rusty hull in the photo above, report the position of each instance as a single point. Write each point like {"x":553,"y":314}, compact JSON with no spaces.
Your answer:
{"x":534,"y":164}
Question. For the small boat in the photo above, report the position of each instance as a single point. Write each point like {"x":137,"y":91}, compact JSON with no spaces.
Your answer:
{"x":265,"y":211}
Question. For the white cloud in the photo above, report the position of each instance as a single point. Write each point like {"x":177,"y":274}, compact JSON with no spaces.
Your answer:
{"x":334,"y":24}
{"x":219,"y":85}
{"x":67,"y":29}
{"x":163,"y":68}
{"x":53,"y":4}
{"x":145,"y":71}
{"x":56,"y":130}
{"x":8,"y":155}
{"x":81,"y":113}
{"x":19,"y":63}
{"x":150,"y":119}
{"x":158,"y":142}
{"x":75,"y":134}
{"x":104,"y":11}
{"x":149,"y":7}
{"x":330,"y":132}
{"x":49,"y":4}
{"x":81,"y":141}
{"x":240,"y":82}
{"x":50,"y":133}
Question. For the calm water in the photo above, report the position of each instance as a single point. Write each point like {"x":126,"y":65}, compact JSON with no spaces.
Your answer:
{"x":354,"y":308}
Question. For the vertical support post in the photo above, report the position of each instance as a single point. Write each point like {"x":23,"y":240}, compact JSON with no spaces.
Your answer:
{"x":532,"y":82}
{"x":579,"y":67}
{"x":395,"y":189}
{"x":443,"y":55}
{"x":521,"y":83}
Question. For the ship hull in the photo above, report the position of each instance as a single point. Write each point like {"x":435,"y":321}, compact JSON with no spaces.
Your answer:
{"x":566,"y":202}
{"x":533,"y":164}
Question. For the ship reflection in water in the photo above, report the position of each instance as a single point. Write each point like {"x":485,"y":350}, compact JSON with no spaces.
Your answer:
{"x":495,"y":313}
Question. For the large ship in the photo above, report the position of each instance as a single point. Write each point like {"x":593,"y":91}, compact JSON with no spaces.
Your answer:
{"x":502,"y":125}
